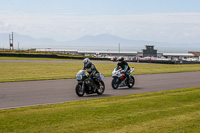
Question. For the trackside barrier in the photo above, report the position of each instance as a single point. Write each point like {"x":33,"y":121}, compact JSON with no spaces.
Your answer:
{"x":46,"y":56}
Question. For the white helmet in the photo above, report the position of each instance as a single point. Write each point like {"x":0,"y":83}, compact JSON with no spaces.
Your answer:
{"x":86,"y":61}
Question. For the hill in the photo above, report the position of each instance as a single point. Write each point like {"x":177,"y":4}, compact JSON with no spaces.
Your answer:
{"x":102,"y":40}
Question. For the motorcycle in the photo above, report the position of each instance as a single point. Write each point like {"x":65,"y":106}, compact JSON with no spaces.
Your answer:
{"x":121,"y":80}
{"x":88,"y":85}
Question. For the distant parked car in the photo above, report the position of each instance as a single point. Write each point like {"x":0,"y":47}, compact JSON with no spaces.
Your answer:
{"x":181,"y":59}
{"x":192,"y":59}
{"x":145,"y":58}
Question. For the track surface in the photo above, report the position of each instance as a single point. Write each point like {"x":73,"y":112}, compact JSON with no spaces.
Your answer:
{"x":29,"y":93}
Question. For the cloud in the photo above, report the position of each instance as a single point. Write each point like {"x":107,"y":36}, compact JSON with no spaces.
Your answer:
{"x":1,"y":23}
{"x":164,"y":27}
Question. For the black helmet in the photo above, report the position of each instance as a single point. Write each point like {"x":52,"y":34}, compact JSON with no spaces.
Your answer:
{"x":121,"y":59}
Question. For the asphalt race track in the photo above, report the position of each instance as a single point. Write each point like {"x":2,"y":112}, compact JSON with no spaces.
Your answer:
{"x":29,"y":93}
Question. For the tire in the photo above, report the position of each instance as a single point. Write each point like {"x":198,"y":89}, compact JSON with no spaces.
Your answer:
{"x":79,"y":91}
{"x":101,"y":88}
{"x":131,"y":82}
{"x":115,"y":84}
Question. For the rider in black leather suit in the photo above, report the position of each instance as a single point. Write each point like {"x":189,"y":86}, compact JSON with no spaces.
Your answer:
{"x":91,"y":69}
{"x":124,"y":66}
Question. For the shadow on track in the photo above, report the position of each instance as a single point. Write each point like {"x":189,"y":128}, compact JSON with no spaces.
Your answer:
{"x":126,"y":88}
{"x":97,"y":96}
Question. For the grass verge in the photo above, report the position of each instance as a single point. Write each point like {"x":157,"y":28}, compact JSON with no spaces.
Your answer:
{"x":42,"y":54}
{"x":31,"y":58}
{"x":41,"y":71}
{"x":165,"y":111}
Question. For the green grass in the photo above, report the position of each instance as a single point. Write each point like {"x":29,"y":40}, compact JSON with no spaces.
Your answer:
{"x":158,"y":112}
{"x":42,"y":71}
{"x":30,"y":58}
{"x":25,"y":52}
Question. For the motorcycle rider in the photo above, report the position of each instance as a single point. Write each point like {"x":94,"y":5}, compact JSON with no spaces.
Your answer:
{"x":124,"y":66}
{"x":91,"y":69}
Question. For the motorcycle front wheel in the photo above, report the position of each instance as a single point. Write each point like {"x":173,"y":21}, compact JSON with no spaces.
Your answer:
{"x":131,"y":82}
{"x":79,"y":90}
{"x":101,"y":88}
{"x":115,"y":83}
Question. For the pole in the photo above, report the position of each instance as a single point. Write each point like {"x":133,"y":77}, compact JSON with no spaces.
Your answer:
{"x":12,"y":42}
{"x":119,"y":47}
{"x":9,"y":42}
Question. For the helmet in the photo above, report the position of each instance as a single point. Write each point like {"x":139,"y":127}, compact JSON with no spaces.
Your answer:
{"x":86,"y":61}
{"x":121,"y":59}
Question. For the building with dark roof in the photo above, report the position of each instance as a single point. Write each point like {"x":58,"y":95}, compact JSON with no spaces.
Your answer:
{"x":195,"y":53}
{"x":150,"y":51}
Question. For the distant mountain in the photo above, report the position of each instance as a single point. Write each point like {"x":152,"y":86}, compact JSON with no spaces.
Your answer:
{"x":102,"y":40}
{"x":106,"y":40}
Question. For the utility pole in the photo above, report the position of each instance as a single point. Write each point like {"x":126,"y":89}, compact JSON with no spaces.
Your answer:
{"x":119,"y":47}
{"x":18,"y":45}
{"x":11,"y":41}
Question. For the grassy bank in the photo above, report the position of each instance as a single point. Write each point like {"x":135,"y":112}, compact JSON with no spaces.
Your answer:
{"x":41,"y":71}
{"x":43,"y":54}
{"x":26,"y":52}
{"x":166,"y":111}
{"x":28,"y":58}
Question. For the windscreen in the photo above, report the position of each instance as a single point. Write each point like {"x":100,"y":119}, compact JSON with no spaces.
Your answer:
{"x":81,"y":72}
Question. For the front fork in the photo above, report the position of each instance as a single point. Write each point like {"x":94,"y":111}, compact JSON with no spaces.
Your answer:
{"x":117,"y":80}
{"x":83,"y":85}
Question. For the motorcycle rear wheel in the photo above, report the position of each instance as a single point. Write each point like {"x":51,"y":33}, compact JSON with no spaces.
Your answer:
{"x":101,"y":88}
{"x":79,"y":90}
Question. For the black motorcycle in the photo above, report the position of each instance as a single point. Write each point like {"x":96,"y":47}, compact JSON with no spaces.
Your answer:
{"x":88,"y":85}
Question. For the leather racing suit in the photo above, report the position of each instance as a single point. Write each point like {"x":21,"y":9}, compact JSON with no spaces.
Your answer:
{"x":92,"y":71}
{"x":124,"y":66}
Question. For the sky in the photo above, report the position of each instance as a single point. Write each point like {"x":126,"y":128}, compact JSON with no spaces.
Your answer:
{"x":175,"y":21}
